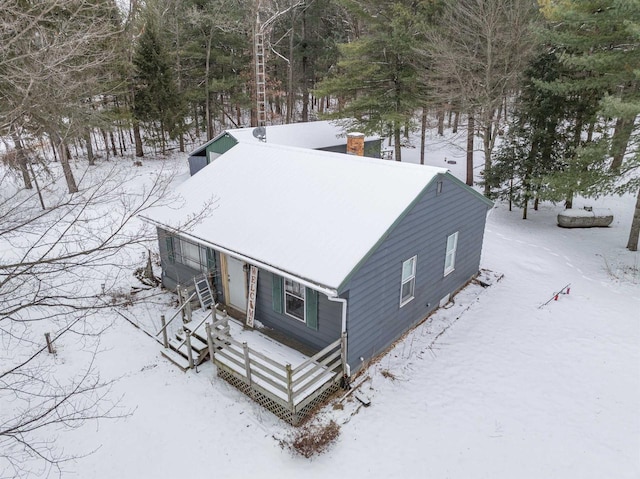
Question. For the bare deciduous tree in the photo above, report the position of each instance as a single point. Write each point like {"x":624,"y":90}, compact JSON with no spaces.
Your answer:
{"x":478,"y":54}
{"x":54,"y":63}
{"x":58,"y":268}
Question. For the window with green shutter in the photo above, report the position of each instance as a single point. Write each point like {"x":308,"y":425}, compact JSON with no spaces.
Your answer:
{"x":276,"y":293}
{"x":295,"y":300}
{"x":211,"y":259}
{"x":311,"y":308}
{"x":171,"y":251}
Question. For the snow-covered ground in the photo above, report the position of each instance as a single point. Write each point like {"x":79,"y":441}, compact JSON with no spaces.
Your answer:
{"x":494,"y":387}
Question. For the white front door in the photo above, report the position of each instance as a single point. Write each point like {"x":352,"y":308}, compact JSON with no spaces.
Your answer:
{"x":236,"y":284}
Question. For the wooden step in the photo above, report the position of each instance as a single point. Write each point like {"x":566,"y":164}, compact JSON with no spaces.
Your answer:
{"x":196,"y":344}
{"x":176,"y":359}
{"x":201,"y":332}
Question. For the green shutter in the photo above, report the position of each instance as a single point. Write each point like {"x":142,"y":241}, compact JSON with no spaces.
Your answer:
{"x":311,"y":305}
{"x":276,"y":293}
{"x":171,"y":252}
{"x":211,"y":259}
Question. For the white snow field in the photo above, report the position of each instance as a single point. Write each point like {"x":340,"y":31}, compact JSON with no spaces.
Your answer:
{"x":493,"y":387}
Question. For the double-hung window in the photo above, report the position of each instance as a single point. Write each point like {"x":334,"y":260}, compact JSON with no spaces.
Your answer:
{"x":294,"y":299}
{"x":191,"y":255}
{"x":450,"y":257}
{"x":408,"y":283}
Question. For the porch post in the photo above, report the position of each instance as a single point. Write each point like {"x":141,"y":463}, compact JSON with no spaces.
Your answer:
{"x":247,"y":363}
{"x":207,"y":328}
{"x":289,"y":386}
{"x":189,"y":349}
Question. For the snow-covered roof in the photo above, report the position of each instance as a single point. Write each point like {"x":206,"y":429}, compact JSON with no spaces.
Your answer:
{"x":311,"y":214}
{"x":313,"y":135}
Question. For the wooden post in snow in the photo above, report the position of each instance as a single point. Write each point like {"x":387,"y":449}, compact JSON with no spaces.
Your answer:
{"x":165,"y":338}
{"x":189,"y":349}
{"x":212,"y":349}
{"x":47,"y":336}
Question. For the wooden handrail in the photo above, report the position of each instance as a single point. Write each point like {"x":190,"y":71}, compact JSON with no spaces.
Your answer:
{"x":193,"y":330}
{"x":315,"y":357}
{"x":176,"y":314}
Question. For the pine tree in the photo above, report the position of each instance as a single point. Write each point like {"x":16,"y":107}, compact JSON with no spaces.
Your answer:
{"x":600,"y":45}
{"x":533,"y":145}
{"x":156,"y":97}
{"x":377,"y":74}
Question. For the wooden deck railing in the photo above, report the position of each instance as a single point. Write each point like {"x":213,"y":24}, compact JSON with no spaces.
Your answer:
{"x":293,"y":388}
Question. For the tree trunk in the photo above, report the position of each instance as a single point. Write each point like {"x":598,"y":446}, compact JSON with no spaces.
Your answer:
{"x":138,"y":139}
{"x":568,"y":202}
{"x":87,"y":140}
{"x":121,"y":140}
{"x":290,"y":95}
{"x":223,"y":120}
{"x":112,"y":138}
{"x":63,"y":152}
{"x":487,"y":143}
{"x":22,"y":160}
{"x":35,"y":180}
{"x":106,"y":143}
{"x":305,"y":64}
{"x":456,"y":120}
{"x":470,"y":134}
{"x":397,"y":140}
{"x":632,"y":244}
{"x":207,"y":93}
{"x":440,"y":121}
{"x":620,"y":140}
{"x":511,"y":193}
{"x":195,"y":120}
{"x":163,"y":144}
{"x":53,"y":148}
{"x":423,"y":133}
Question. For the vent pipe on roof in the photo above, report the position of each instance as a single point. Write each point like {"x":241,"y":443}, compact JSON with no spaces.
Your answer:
{"x":355,"y":144}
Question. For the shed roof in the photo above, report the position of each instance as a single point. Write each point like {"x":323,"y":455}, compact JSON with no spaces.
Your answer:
{"x":313,"y":135}
{"x":311,"y":214}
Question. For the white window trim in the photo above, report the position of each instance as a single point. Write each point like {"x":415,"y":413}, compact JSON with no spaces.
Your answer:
{"x":412,"y":278}
{"x":452,"y":253}
{"x":303,"y":298}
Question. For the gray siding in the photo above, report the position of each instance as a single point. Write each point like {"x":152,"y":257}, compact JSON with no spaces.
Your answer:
{"x":329,"y":312}
{"x":329,"y":317}
{"x":196,"y":163}
{"x":375,"y":318}
{"x":175,"y":273}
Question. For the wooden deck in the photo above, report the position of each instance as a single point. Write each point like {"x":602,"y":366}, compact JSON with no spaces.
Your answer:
{"x":287,"y":382}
